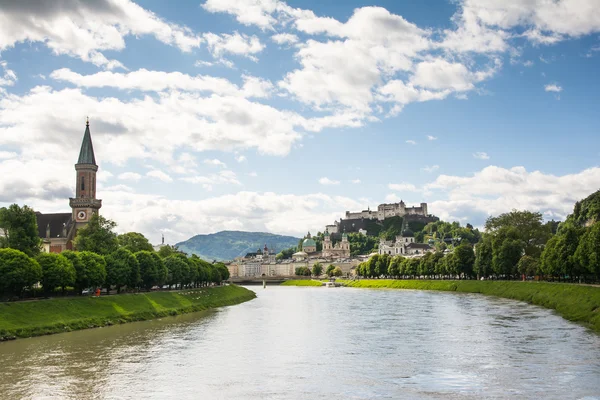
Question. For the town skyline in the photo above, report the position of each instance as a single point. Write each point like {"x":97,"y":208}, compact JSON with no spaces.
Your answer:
{"x":226,"y":116}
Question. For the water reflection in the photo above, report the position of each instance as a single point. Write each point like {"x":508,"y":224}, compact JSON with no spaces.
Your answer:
{"x":293,"y":343}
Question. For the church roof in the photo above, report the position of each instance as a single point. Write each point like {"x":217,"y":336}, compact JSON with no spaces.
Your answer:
{"x":86,"y":154}
{"x":308,"y":243}
{"x":418,"y":246}
{"x":56,"y":222}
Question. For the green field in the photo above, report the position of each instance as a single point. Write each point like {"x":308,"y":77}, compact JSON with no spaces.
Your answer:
{"x":34,"y":318}
{"x":302,"y":282}
{"x":576,"y":303}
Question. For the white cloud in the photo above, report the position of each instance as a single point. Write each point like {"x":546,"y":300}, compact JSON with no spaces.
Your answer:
{"x":403,"y":187}
{"x":8,"y":77}
{"x":553,"y":88}
{"x":285,"y":38}
{"x":215,"y":162}
{"x":5,"y":155}
{"x":495,"y":190}
{"x":253,"y":174}
{"x":158,"y":81}
{"x":85,"y":29}
{"x":481,"y":155}
{"x":327,"y":181}
{"x":411,"y":142}
{"x":160,"y":175}
{"x":222,"y":177}
{"x":129,"y":176}
{"x":355,"y":181}
{"x":429,"y":137}
{"x":528,"y":63}
{"x":240,"y":158}
{"x":236,"y":44}
{"x":432,"y":168}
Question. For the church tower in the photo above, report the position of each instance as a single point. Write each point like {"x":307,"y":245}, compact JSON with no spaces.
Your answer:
{"x":85,"y":203}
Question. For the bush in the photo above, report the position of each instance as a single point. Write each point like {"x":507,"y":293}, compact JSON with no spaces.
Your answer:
{"x":17,"y":271}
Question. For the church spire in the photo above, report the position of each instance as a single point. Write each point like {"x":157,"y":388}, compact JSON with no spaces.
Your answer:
{"x":86,"y":155}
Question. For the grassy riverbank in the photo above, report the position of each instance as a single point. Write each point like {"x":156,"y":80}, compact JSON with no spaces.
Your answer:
{"x":573,"y":302}
{"x":35,"y":318}
{"x":302,"y":282}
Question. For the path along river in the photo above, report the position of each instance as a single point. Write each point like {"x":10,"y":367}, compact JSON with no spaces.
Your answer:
{"x":318,"y":343}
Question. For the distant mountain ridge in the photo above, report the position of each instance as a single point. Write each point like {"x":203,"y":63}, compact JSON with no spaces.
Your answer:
{"x":226,"y":245}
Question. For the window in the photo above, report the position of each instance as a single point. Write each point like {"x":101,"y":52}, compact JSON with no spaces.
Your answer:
{"x":94,"y":184}
{"x":82,"y":182}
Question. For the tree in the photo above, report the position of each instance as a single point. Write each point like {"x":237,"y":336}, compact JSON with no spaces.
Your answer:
{"x":149,"y":269}
{"x":506,"y":256}
{"x":528,"y":266}
{"x":122,"y":268}
{"x":286,"y":254}
{"x":178,"y":270}
{"x":337,"y":271}
{"x":223,"y":271}
{"x":93,"y":270}
{"x":558,"y":256}
{"x":317,"y":269}
{"x":371,"y":266}
{"x":57,"y":271}
{"x":588,"y":251}
{"x":528,"y":229}
{"x":329,"y":270}
{"x":134,"y":242}
{"x":168,"y":250}
{"x":97,"y":236}
{"x":75,"y":261}
{"x":17,"y":271}
{"x":20,"y":230}
{"x":302,"y":271}
{"x":394,"y":267}
{"x":483,"y":257}
{"x":464,"y":258}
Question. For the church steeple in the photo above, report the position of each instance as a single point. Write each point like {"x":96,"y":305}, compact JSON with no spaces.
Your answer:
{"x":84,"y":204}
{"x":86,"y":154}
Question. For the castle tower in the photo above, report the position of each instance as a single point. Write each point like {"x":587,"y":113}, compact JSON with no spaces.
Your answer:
{"x":84,"y":204}
{"x":326,"y":240}
{"x":345,"y":244}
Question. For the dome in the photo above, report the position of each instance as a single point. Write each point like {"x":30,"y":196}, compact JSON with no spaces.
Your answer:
{"x":407,"y":233}
{"x":308,"y":243}
{"x":326,"y":233}
{"x":299,"y":254}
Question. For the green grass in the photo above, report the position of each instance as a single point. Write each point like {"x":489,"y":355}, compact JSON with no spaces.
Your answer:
{"x":35,"y":318}
{"x":302,"y":282}
{"x":573,"y":302}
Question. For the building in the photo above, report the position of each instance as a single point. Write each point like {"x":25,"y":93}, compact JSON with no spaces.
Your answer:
{"x":339,"y":250}
{"x":309,"y":245}
{"x":403,"y":245}
{"x":57,"y":231}
{"x":389,"y":210}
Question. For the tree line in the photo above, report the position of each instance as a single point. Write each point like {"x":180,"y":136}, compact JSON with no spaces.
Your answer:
{"x":102,"y":259}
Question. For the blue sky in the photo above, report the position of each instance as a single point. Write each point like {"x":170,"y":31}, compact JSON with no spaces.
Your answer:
{"x":279,"y":116}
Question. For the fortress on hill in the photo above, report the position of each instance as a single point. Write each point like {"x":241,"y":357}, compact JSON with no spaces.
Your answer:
{"x":359,"y":221}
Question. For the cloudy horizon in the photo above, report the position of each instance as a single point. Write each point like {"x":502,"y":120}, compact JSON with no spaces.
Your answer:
{"x":280,"y":116}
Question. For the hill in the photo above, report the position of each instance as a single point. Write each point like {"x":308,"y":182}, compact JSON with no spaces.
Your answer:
{"x":586,"y":211}
{"x":226,"y":245}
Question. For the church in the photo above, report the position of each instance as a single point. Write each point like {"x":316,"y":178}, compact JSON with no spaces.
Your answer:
{"x":57,"y":231}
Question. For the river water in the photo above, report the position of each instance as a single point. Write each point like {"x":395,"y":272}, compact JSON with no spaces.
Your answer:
{"x":318,"y":343}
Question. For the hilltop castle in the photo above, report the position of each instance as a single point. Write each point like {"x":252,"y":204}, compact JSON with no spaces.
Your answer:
{"x":57,"y":231}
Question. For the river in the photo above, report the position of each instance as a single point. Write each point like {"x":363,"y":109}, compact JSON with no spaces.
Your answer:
{"x":318,"y":343}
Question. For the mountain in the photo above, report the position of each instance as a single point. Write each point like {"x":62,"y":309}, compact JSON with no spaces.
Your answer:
{"x":226,"y":245}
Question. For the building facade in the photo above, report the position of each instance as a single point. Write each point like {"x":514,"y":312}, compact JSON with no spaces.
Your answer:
{"x":389,"y":210}
{"x":339,"y":250}
{"x":57,"y":231}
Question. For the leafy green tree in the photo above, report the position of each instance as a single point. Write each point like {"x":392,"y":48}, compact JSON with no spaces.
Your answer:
{"x":361,"y":244}
{"x":223,"y":271}
{"x":317,"y":269}
{"x":558,"y":257}
{"x":394,"y":267}
{"x":286,"y":254}
{"x":337,"y":271}
{"x":302,"y":271}
{"x":382,"y":264}
{"x":93,"y":270}
{"x":588,"y":251}
{"x":57,"y":271}
{"x":506,"y":256}
{"x":329,"y":270}
{"x":20,"y":230}
{"x":75,"y":261}
{"x":17,"y":271}
{"x":149,"y":273}
{"x":483,"y":257}
{"x":134,"y":242}
{"x":464,"y":258}
{"x":178,"y":270}
{"x":527,"y":227}
{"x":122,"y":268}
{"x":371,"y":270}
{"x":97,"y":236}
{"x":168,"y":250}
{"x":528,"y":266}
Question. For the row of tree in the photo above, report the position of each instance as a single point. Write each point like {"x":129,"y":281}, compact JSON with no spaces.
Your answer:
{"x":317,"y":270}
{"x":118,"y":270}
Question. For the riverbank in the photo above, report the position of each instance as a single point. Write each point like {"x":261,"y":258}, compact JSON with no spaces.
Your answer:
{"x":575,"y":303}
{"x":302,"y":282}
{"x":44,"y":317}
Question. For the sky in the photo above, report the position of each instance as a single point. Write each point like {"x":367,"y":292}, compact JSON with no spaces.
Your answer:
{"x":279,"y":116}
